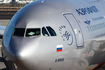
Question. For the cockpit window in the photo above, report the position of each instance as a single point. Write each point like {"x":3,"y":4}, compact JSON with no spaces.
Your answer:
{"x":19,"y":32}
{"x":51,"y":31}
{"x":32,"y":32}
{"x":29,"y":32}
{"x":44,"y":32}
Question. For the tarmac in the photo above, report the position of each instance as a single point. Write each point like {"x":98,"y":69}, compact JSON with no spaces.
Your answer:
{"x":2,"y":65}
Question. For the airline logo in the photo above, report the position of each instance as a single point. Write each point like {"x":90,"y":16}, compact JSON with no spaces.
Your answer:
{"x":87,"y":22}
{"x":59,"y":48}
{"x":87,"y":10}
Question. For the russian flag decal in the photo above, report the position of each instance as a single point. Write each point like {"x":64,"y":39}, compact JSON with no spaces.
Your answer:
{"x":59,"y":48}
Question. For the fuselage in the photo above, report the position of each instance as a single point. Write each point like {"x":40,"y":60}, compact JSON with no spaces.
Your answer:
{"x":56,"y":35}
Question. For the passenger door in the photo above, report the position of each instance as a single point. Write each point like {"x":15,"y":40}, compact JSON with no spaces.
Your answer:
{"x":73,"y":23}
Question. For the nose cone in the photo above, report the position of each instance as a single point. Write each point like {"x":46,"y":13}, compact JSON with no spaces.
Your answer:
{"x":24,"y":52}
{"x":15,"y":45}
{"x":23,"y":46}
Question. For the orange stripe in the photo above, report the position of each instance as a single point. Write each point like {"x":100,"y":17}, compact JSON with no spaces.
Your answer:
{"x":97,"y":66}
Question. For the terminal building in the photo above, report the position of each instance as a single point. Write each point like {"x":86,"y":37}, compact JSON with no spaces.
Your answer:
{"x":15,"y":1}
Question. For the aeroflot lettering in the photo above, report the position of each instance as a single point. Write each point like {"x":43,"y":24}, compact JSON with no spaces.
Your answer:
{"x":88,"y":10}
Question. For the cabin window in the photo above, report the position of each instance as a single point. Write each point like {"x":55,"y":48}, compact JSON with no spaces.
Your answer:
{"x":32,"y":32}
{"x":44,"y":32}
{"x":19,"y":32}
{"x":51,"y":31}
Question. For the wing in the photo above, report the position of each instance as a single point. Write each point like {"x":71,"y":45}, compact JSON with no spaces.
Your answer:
{"x":2,"y":29}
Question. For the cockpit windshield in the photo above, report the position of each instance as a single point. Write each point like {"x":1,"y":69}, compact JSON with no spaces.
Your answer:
{"x":51,"y":31}
{"x":48,"y":31}
{"x":32,"y":32}
{"x":44,"y":32}
{"x":29,"y":32}
{"x":19,"y":32}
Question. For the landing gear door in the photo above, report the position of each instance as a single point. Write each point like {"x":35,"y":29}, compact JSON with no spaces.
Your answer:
{"x":76,"y":29}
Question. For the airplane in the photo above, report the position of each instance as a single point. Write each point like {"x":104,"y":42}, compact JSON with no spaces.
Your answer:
{"x":56,"y":35}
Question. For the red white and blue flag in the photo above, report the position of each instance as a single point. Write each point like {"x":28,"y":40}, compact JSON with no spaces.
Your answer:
{"x":59,"y":48}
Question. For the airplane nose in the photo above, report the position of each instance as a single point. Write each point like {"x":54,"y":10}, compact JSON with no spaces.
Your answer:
{"x":17,"y":62}
{"x":20,"y":54}
{"x":14,"y":61}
